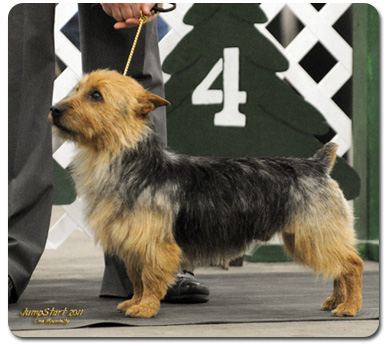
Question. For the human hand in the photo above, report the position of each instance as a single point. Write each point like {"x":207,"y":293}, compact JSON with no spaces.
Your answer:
{"x":127,"y":15}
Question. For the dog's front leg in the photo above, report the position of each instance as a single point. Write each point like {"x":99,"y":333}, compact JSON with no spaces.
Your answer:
{"x":135,"y":277}
{"x":158,"y":272}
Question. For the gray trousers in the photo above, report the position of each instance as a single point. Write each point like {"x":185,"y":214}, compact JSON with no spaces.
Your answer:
{"x":30,"y":83}
{"x":30,"y":181}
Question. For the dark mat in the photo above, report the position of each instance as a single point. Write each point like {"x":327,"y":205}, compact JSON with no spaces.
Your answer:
{"x":235,"y":298}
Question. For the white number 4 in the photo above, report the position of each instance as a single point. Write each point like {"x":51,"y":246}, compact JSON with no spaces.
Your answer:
{"x":231,"y":96}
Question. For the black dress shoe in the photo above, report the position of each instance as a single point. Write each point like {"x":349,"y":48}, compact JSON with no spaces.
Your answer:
{"x":186,"y":290}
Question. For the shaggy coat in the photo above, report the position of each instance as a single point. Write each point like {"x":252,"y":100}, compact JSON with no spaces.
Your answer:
{"x":161,"y":211}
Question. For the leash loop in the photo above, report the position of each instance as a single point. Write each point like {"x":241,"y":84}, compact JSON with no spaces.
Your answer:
{"x":156,"y":8}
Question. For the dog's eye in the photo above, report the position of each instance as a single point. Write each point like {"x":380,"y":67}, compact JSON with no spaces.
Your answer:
{"x":96,"y":96}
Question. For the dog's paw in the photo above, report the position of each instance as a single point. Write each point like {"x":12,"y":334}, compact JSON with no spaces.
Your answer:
{"x":124,"y":306}
{"x":346,"y":309}
{"x":141,"y":311}
{"x":331,"y":303}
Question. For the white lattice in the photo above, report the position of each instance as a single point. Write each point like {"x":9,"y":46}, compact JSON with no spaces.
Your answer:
{"x":73,"y":217}
{"x":318,"y":27}
{"x":67,"y":52}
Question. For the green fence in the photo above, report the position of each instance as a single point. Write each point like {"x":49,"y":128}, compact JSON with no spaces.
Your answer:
{"x":366,"y":126}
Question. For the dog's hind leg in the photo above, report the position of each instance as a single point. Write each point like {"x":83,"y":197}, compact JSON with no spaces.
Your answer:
{"x":344,"y":265}
{"x":321,"y":237}
{"x":338,"y":296}
{"x":352,"y":276}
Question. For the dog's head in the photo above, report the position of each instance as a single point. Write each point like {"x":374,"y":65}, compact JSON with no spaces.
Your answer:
{"x":106,"y":111}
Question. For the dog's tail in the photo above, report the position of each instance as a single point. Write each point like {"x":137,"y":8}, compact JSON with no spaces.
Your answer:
{"x":327,"y":156}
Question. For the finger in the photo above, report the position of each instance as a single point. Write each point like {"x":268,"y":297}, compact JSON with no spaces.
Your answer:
{"x":107,"y":9}
{"x":117,"y":14}
{"x":123,"y":25}
{"x":127,"y":12}
{"x":134,"y":10}
{"x":147,"y":9}
{"x":132,"y":21}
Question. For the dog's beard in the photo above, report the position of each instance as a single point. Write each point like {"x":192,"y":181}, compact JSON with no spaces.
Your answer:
{"x":62,"y":131}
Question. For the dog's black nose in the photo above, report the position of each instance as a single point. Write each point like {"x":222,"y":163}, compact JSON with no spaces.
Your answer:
{"x":57,"y":110}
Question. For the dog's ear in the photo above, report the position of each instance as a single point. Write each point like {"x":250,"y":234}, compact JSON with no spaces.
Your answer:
{"x":147,"y":102}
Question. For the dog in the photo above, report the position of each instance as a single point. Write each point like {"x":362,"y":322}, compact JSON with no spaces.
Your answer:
{"x":161,"y":211}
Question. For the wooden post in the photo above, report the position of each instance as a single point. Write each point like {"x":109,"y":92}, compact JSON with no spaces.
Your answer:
{"x":366,"y":125}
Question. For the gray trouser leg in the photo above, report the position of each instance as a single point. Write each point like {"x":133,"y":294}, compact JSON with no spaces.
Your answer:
{"x":30,"y":181}
{"x":104,"y":47}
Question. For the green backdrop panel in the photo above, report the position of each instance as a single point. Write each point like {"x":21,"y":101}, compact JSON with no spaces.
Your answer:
{"x":279,"y":122}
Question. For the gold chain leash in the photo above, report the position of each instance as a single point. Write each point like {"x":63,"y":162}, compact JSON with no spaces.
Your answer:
{"x":142,"y":20}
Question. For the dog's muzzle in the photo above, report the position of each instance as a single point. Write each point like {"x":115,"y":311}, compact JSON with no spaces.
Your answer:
{"x":57,"y":111}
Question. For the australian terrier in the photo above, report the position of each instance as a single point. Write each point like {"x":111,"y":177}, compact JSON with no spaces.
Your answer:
{"x":160,"y":211}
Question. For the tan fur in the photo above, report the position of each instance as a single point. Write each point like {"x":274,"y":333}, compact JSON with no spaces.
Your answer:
{"x":150,"y":252}
{"x":114,"y":124}
{"x":143,"y":239}
{"x":322,"y":238}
